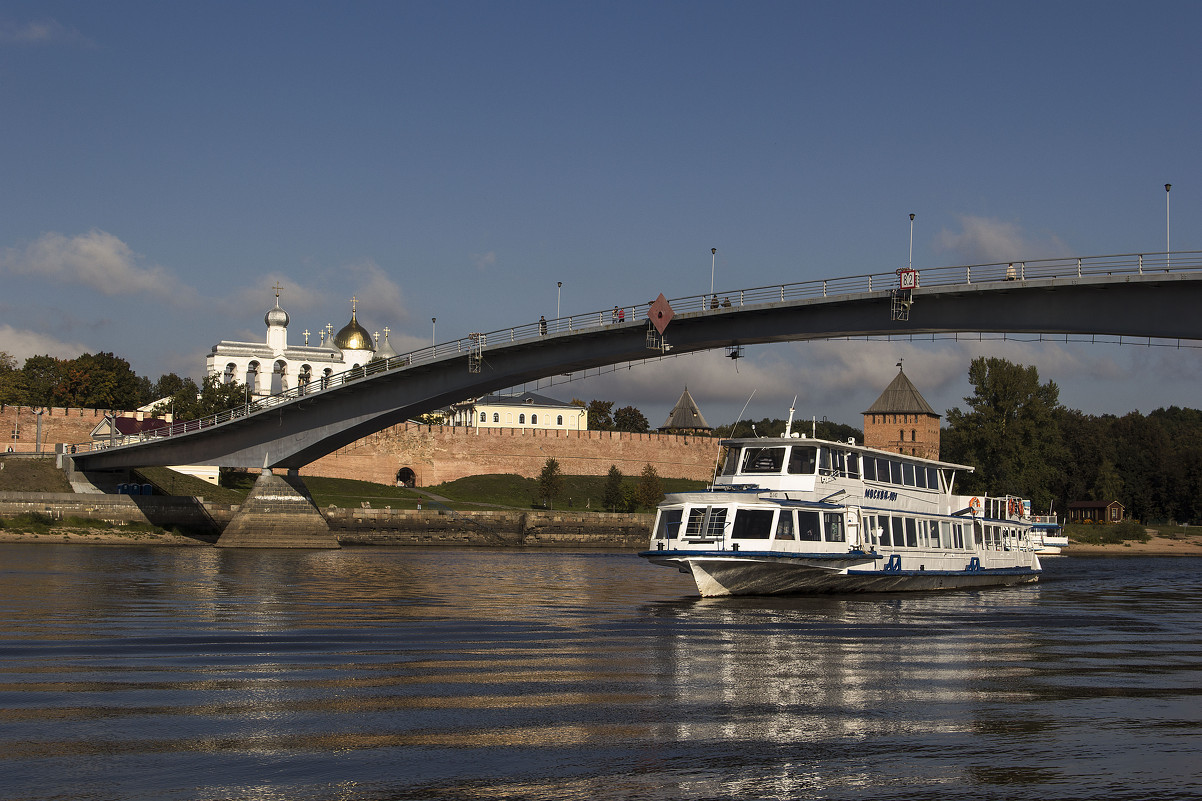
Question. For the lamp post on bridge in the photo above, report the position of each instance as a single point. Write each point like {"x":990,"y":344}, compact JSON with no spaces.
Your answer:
{"x":433,"y":328}
{"x":558,"y":291}
{"x":713,"y":261}
{"x":1167,"y":187}
{"x":911,"y":263}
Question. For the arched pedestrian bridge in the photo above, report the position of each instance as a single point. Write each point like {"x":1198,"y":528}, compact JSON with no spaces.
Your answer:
{"x":1152,"y":295}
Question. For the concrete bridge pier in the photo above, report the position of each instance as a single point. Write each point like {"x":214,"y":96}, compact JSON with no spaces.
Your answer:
{"x":278,"y":513}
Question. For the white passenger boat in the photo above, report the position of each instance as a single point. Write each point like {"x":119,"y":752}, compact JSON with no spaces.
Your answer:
{"x":795,"y":515}
{"x":1047,"y":535}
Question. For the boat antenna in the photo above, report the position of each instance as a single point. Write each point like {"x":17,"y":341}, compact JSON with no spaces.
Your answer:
{"x":789,"y":425}
{"x":732,"y":433}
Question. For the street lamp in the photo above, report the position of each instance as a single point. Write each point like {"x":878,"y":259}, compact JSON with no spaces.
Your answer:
{"x":713,"y":260}
{"x":433,"y":328}
{"x":1167,"y":187}
{"x":911,"y":241}
{"x":558,"y":291}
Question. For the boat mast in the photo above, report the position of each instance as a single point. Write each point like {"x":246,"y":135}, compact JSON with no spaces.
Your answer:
{"x":789,"y":425}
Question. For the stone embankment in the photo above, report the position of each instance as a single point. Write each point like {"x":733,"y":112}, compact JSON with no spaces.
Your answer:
{"x":490,"y":528}
{"x":407,"y":527}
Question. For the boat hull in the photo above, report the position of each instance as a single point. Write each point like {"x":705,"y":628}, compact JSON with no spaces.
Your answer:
{"x":719,"y":574}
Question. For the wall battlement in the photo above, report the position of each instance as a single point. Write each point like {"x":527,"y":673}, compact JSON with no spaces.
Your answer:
{"x":434,"y":454}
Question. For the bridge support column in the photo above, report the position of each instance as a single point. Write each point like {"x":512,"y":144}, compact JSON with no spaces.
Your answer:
{"x":278,"y":513}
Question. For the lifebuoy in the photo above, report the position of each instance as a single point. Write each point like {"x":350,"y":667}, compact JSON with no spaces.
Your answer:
{"x":975,"y":505}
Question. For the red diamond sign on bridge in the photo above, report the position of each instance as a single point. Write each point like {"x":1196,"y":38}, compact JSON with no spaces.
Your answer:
{"x":660,"y":313}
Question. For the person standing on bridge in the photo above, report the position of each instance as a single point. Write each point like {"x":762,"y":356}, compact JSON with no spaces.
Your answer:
{"x":542,"y":325}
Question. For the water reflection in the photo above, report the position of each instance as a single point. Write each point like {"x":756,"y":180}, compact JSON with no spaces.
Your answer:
{"x":376,"y":673}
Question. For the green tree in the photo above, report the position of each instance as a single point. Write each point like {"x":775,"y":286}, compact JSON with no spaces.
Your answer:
{"x":628,"y":418}
{"x":213,"y":396}
{"x":649,"y":491}
{"x":550,"y":483}
{"x":169,"y":384}
{"x":600,"y":415}
{"x":10,"y":378}
{"x":1009,"y":433}
{"x":101,"y":381}
{"x":1108,"y":485}
{"x":611,"y":497}
{"x":39,"y":378}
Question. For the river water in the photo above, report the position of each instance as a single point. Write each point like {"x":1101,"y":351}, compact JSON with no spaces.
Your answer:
{"x":370,"y":673}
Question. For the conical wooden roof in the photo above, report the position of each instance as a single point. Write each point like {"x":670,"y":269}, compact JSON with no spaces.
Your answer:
{"x":686,"y":415}
{"x":901,"y":397}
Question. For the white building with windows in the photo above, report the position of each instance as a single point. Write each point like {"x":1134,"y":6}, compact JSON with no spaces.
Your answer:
{"x":274,"y":366}
{"x":523,"y":410}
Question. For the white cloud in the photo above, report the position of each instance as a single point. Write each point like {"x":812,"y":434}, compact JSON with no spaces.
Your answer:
{"x":96,"y":259}
{"x":21,"y":344}
{"x":982,"y":240}
{"x":41,"y":32}
{"x":380,"y":298}
{"x":250,"y":303}
{"x":484,"y":260}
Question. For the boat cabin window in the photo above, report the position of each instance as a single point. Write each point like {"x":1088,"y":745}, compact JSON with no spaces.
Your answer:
{"x":730,"y":465}
{"x":911,"y":532}
{"x":701,"y":525}
{"x":834,"y":462}
{"x":752,"y":524}
{"x":892,"y":471}
{"x":763,"y":460}
{"x":803,"y":459}
{"x":809,"y":527}
{"x":834,"y":527}
{"x":882,"y":532}
{"x":669,"y":524}
{"x":784,"y":525}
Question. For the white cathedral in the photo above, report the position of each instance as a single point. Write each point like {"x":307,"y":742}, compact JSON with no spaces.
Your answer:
{"x":273,"y":367}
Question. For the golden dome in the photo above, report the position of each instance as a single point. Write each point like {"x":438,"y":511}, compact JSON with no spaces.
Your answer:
{"x":353,"y":336}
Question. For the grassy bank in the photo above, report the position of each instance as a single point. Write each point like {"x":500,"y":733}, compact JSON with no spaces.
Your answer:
{"x":580,"y":493}
{"x":31,"y":474}
{"x":39,"y":526}
{"x":1112,"y":534}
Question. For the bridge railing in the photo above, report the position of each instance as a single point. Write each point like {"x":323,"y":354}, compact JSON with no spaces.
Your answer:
{"x":1092,"y":266}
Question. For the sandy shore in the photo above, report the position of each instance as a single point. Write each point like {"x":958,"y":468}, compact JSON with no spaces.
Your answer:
{"x":1186,"y":545}
{"x":101,"y":537}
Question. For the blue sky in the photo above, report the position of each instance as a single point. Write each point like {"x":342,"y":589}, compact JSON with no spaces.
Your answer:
{"x":167,"y":163}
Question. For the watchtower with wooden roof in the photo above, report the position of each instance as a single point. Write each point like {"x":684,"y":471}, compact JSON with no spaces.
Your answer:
{"x":685,"y":418}
{"x":902,"y":421}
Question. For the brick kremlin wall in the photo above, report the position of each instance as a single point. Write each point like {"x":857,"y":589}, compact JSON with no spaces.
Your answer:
{"x":70,"y":426}
{"x":434,"y":453}
{"x":444,"y":453}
